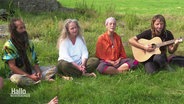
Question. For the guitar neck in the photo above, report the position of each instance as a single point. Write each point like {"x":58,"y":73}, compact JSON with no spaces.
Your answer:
{"x":165,"y":43}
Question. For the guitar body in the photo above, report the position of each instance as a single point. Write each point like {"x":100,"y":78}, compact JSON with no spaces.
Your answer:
{"x":142,"y":55}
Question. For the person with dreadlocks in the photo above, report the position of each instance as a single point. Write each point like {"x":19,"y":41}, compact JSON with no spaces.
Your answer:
{"x":158,"y":29}
{"x":20,"y":56}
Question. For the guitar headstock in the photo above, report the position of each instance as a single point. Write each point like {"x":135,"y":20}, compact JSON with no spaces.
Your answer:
{"x":180,"y":39}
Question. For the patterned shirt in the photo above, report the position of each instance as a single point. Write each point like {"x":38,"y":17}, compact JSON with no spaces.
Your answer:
{"x":10,"y":52}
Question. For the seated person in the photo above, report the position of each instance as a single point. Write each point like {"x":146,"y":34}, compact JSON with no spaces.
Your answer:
{"x":73,"y":53}
{"x":110,"y":51}
{"x":158,"y":30}
{"x":20,"y":56}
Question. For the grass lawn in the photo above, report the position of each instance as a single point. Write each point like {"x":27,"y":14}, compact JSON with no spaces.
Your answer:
{"x":133,"y":87}
{"x":141,"y":7}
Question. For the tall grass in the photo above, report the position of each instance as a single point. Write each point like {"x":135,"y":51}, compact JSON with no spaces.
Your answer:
{"x":131,"y":20}
{"x":133,"y":87}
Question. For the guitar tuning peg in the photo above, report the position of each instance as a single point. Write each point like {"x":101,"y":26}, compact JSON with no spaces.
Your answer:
{"x":180,"y":39}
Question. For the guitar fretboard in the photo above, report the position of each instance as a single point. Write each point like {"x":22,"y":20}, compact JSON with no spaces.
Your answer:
{"x":165,"y":43}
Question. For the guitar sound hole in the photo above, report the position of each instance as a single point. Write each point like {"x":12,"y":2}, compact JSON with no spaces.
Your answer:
{"x":153,"y":45}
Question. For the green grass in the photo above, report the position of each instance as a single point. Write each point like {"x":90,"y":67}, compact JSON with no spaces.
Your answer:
{"x":131,"y":87}
{"x":141,"y":7}
{"x":134,"y":87}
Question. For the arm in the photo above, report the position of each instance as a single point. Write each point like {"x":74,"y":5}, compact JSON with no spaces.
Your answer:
{"x":38,"y":71}
{"x":84,"y":56}
{"x":36,"y":67}
{"x":79,"y":67}
{"x":101,"y":48}
{"x":17,"y":70}
{"x":82,"y":66}
{"x":84,"y":61}
{"x":122,"y":51}
{"x":172,"y":48}
{"x":134,"y":42}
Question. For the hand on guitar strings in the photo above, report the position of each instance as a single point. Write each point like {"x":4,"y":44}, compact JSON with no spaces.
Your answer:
{"x":149,"y":48}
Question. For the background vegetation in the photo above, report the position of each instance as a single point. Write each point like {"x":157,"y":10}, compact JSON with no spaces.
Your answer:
{"x":132,"y":87}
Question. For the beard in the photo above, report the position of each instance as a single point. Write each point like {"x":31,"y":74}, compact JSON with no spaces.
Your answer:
{"x":21,"y":37}
{"x":21,"y":42}
{"x":158,"y":31}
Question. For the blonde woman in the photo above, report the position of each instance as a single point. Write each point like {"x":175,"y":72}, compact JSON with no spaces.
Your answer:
{"x":73,"y":53}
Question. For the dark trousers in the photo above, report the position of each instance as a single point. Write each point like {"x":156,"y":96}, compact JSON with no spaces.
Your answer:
{"x":155,"y":63}
{"x":67,"y":68}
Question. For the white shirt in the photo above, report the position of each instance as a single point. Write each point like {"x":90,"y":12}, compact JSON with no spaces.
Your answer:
{"x":73,"y":52}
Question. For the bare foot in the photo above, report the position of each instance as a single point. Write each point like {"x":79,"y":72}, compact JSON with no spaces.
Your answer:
{"x":89,"y":74}
{"x":37,"y":82}
{"x":51,"y":80}
{"x":65,"y":77}
{"x":54,"y":100}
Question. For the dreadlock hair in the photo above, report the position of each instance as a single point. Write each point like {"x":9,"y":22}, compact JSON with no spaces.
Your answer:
{"x":21,"y":42}
{"x":161,"y":18}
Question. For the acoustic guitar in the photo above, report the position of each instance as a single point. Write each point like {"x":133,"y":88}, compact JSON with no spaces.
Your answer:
{"x":142,"y":55}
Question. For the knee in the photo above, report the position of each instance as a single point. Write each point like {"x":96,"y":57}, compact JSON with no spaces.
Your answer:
{"x":21,"y":80}
{"x":160,"y":59}
{"x":62,"y":64}
{"x":94,"y":60}
{"x":124,"y":67}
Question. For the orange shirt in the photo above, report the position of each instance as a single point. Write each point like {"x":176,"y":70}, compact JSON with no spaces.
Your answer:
{"x":105,"y":50}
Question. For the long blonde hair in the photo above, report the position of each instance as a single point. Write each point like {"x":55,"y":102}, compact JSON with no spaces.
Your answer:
{"x":65,"y":32}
